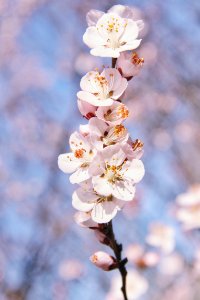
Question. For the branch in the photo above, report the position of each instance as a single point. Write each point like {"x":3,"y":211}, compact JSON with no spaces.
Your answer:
{"x":117,"y":248}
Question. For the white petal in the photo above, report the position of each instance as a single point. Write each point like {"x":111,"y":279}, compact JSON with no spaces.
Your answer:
{"x":80,"y":175}
{"x":122,"y":11}
{"x":83,"y":200}
{"x":97,"y":127}
{"x":135,"y":171}
{"x":93,"y":16}
{"x":88,"y":82}
{"x":130,"y":45}
{"x":68,"y":163}
{"x":92,"y":37}
{"x":123,"y":190}
{"x":113,"y":155}
{"x":113,"y":78}
{"x":84,"y":219}
{"x":140,"y":24}
{"x":131,"y":31}
{"x":86,"y":108}
{"x":78,"y":141}
{"x":101,"y":186}
{"x":119,"y":91}
{"x":104,"y":212}
{"x":90,"y":98}
{"x":97,"y":165}
{"x":105,"y":52}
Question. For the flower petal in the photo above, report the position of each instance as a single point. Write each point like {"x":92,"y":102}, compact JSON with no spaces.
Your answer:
{"x":80,"y":175}
{"x":83,"y":200}
{"x":135,"y":170}
{"x":93,"y":16}
{"x":92,"y":37}
{"x":119,"y":91}
{"x":105,"y":52}
{"x":90,"y":98}
{"x":68,"y":163}
{"x":123,"y":190}
{"x":104,"y":212}
{"x":101,"y":186}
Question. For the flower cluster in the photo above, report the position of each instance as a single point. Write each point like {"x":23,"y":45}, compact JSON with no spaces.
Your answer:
{"x":104,"y":160}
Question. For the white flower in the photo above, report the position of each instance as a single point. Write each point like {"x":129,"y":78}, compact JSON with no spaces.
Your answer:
{"x":161,"y":236}
{"x":189,"y":208}
{"x":77,"y":161}
{"x":110,"y":33}
{"x":129,"y":64}
{"x":137,"y":285}
{"x":101,"y":208}
{"x":114,"y":114}
{"x":102,"y":89}
{"x":103,"y":135}
{"x":114,"y":175}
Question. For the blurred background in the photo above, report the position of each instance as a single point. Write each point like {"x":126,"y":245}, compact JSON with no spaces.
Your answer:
{"x":43,"y":252}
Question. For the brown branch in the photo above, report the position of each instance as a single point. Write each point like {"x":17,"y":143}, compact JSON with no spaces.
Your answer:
{"x":117,"y":248}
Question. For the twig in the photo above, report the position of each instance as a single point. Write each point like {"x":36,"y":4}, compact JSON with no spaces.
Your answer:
{"x":117,"y":248}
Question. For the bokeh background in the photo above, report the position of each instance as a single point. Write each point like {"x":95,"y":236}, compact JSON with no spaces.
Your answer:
{"x":43,"y":253}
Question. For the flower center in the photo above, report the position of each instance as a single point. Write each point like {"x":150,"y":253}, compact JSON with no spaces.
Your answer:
{"x":113,"y":173}
{"x":119,"y":129}
{"x":79,"y":153}
{"x":122,"y":112}
{"x":137,"y":144}
{"x":136,"y":60}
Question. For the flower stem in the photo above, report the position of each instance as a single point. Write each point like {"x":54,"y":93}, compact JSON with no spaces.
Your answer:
{"x":117,"y":248}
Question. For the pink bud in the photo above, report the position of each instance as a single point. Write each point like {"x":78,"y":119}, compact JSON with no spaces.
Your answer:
{"x":103,"y":260}
{"x":129,"y":64}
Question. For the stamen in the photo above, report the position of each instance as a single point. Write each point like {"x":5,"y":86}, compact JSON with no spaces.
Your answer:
{"x":79,"y":153}
{"x":137,"y":144}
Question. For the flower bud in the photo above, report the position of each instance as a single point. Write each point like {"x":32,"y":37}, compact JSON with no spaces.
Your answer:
{"x":129,"y":64}
{"x":103,"y":261}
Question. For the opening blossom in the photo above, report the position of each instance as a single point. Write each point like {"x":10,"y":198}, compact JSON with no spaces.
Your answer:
{"x":110,"y":33}
{"x":102,"y":89}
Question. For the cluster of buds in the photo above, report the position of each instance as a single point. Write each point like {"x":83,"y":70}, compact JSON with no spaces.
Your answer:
{"x":104,"y":160}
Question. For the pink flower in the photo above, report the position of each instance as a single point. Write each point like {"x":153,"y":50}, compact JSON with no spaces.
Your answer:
{"x":102,"y":89}
{"x":103,"y":260}
{"x":161,"y":236}
{"x":101,"y":208}
{"x":114,"y":175}
{"x":114,"y":114}
{"x":129,"y":64}
{"x":77,"y":161}
{"x":110,"y":33}
{"x":188,"y":211}
{"x":103,"y":135}
{"x":137,"y":255}
{"x":137,"y":285}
